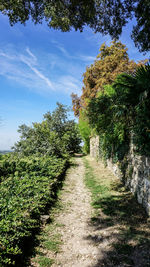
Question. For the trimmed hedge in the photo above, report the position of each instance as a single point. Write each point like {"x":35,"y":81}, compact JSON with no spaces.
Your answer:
{"x":27,"y":186}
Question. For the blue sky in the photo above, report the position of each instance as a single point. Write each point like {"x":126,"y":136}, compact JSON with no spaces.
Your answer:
{"x":39,"y":67}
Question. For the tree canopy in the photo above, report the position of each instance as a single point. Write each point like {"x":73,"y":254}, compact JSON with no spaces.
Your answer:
{"x":122,"y":113}
{"x":107,"y":17}
{"x":56,"y":135}
{"x":111,"y":61}
{"x":97,"y":103}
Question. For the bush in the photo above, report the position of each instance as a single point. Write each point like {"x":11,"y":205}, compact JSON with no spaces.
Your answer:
{"x":25,"y":191}
{"x":56,"y":135}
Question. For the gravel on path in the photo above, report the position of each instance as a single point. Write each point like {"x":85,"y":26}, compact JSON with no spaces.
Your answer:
{"x":77,"y":250}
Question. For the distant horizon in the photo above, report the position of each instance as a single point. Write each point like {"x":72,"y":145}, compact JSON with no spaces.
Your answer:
{"x":6,"y":150}
{"x":3,"y":152}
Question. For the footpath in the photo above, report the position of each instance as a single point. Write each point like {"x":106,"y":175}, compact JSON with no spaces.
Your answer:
{"x":76,"y":250}
{"x":113,"y":232}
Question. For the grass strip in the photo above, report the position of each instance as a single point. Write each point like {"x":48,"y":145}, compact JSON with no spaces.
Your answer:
{"x":119,"y":218}
{"x":49,"y":240}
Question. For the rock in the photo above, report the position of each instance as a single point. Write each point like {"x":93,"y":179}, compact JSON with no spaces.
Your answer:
{"x":45,"y":219}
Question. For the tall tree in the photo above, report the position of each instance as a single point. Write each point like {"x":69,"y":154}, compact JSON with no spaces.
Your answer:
{"x":122,"y":113}
{"x":111,"y":61}
{"x":107,"y":17}
{"x":133,"y":91}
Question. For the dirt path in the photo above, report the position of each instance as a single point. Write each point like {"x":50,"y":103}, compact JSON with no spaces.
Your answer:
{"x":76,"y":250}
{"x":118,"y":235}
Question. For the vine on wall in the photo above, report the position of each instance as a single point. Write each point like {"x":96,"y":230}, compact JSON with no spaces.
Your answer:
{"x":121,"y":112}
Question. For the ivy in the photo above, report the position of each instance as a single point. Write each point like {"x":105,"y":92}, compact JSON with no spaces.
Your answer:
{"x":122,"y":113}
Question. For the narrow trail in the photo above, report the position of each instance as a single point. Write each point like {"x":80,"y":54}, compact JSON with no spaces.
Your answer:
{"x":76,"y":250}
{"x":119,"y":235}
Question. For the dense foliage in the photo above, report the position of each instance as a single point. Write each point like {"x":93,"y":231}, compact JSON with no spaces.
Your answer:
{"x":55,"y":135}
{"x":85,"y":131}
{"x":111,"y":61}
{"x":122,"y":113}
{"x":30,"y":176}
{"x":28,"y":184}
{"x":107,"y":17}
{"x":136,"y":97}
{"x":98,"y":78}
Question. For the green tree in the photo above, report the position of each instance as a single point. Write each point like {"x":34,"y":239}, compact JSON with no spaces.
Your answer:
{"x":55,"y":135}
{"x":133,"y":91}
{"x":107,"y":17}
{"x":111,"y":61}
{"x":122,"y":113}
{"x":85,"y":131}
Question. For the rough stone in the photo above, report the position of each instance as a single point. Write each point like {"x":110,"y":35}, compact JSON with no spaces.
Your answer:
{"x":45,"y":219}
{"x":94,"y":146}
{"x":137,"y":174}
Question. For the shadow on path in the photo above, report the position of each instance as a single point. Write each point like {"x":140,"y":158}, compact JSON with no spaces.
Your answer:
{"x":124,"y":231}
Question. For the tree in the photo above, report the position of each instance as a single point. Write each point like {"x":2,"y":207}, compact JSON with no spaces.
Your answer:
{"x":76,"y":103}
{"x":141,"y":33}
{"x":121,"y":114}
{"x":55,"y":135}
{"x":107,"y":17}
{"x":85,"y":131}
{"x":111,"y":61}
{"x":133,"y":91}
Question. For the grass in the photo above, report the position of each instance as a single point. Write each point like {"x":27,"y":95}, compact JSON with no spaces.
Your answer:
{"x":45,"y":262}
{"x":53,"y":243}
{"x":117,"y":213}
{"x":49,"y":239}
{"x":99,"y":190}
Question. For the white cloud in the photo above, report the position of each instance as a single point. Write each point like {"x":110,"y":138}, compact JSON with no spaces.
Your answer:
{"x":87,"y":58}
{"x":27,"y":61}
{"x":31,"y":54}
{"x":31,"y":71}
{"x":24,"y":69}
{"x":69,"y":84}
{"x":61,"y":48}
{"x":43,"y":77}
{"x":2,"y":54}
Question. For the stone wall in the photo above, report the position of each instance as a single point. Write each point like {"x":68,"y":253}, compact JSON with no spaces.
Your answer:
{"x":94,"y":146}
{"x":136,"y":175}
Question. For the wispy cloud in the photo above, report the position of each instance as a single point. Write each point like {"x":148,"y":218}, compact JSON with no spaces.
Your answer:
{"x":61,"y":48}
{"x":69,"y":84}
{"x":45,"y":72}
{"x":34,"y":72}
{"x":43,"y":77}
{"x":87,"y":58}
{"x":2,"y":54}
{"x":78,"y":57}
{"x":24,"y":68}
{"x":96,"y":38}
{"x":31,"y":54}
{"x":40,"y":75}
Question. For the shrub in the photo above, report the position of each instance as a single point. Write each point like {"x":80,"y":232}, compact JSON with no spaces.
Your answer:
{"x":24,"y":193}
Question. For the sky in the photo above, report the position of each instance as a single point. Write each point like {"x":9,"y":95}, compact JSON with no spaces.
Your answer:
{"x":40,"y":66}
